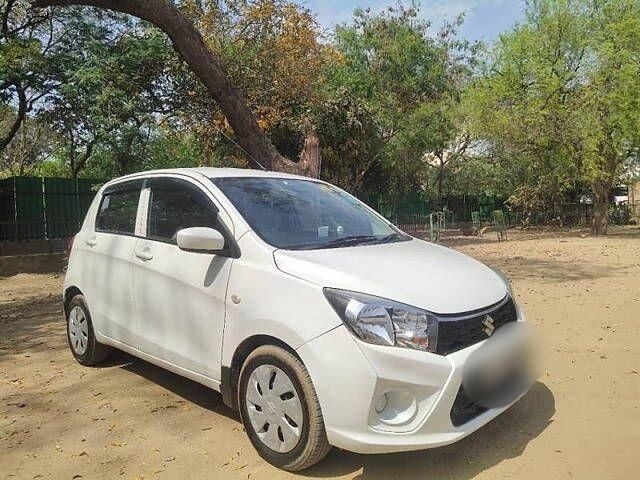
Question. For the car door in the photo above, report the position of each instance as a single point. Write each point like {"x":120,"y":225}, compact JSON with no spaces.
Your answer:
{"x":179,"y":295}
{"x":106,"y":261}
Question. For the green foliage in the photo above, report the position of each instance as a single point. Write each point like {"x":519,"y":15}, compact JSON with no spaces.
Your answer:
{"x":409,"y":81}
{"x":175,"y":150}
{"x":477,"y":177}
{"x":619,"y":214}
{"x":51,"y":168}
{"x":351,"y":140}
{"x":272,"y":50}
{"x":32,"y":144}
{"x":558,"y":104}
{"x":111,"y":94}
{"x":380,"y":95}
{"x":550,"y":112}
{"x":23,"y":41}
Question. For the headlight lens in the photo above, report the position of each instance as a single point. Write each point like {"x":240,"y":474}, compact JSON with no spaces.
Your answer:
{"x":384,"y":322}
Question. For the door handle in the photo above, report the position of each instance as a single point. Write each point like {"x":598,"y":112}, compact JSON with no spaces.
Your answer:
{"x":91,"y":241}
{"x":144,"y":254}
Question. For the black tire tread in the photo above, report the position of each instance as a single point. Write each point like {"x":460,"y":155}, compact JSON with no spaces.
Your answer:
{"x":96,"y":352}
{"x":317,"y":446}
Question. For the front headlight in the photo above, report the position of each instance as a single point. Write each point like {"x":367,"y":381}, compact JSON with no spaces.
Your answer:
{"x":384,"y":322}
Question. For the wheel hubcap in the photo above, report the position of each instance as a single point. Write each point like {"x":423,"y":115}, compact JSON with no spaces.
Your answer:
{"x":78,"y":330}
{"x":274,"y":408}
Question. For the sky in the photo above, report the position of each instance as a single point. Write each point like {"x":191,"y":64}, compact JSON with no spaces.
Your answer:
{"x":484,"y":20}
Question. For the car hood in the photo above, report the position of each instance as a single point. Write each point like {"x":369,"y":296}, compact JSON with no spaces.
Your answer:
{"x":414,"y":272}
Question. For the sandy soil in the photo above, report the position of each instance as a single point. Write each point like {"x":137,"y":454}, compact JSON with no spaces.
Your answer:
{"x":128,"y":419}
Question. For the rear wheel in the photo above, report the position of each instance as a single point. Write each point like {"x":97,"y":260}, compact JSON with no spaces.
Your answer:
{"x":80,"y":334}
{"x":280,"y":409}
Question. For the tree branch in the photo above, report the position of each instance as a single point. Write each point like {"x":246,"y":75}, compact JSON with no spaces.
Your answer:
{"x":4,"y":28}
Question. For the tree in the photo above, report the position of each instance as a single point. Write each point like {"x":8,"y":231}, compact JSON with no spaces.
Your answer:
{"x":406,"y":78}
{"x":437,"y":132}
{"x":111,"y":94}
{"x":611,"y":100}
{"x":262,"y":46}
{"x":33,"y":141}
{"x":559,"y":102}
{"x":27,"y":65}
{"x":208,"y":67}
{"x":352,"y":141}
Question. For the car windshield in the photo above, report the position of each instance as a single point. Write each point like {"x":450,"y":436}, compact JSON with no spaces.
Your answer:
{"x":297,"y":214}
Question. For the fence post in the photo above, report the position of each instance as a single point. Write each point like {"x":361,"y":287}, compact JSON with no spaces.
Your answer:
{"x":15,"y":208}
{"x":76,"y":189}
{"x":43,"y":188}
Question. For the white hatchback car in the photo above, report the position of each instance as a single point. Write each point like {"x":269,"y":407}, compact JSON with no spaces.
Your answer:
{"x":314,"y":316}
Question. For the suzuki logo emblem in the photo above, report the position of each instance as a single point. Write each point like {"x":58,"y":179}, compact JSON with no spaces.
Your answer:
{"x":489,"y":327}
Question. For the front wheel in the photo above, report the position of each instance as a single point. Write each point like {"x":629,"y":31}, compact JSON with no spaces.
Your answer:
{"x":280,"y":409}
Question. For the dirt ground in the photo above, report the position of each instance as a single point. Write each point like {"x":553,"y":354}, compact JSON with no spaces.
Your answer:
{"x":129,"y":419}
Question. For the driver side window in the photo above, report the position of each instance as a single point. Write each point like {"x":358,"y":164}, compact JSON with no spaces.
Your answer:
{"x":175,"y":204}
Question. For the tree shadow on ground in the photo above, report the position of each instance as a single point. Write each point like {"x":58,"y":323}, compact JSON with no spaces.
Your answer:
{"x":555,"y":270}
{"x":518,"y":235}
{"x":457,"y":241}
{"x":30,"y":325}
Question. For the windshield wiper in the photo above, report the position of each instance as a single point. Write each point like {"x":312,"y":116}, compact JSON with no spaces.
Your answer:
{"x":349,"y":240}
{"x":392,"y":237}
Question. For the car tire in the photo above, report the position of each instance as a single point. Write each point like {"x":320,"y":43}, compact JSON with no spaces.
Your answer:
{"x":266,"y":373}
{"x":80,"y":334}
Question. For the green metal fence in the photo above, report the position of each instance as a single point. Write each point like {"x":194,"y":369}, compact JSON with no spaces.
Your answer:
{"x":35,"y":207}
{"x":411,"y":210}
{"x":38,"y":208}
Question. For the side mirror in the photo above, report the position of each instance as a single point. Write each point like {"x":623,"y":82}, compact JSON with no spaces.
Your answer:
{"x":200,"y":239}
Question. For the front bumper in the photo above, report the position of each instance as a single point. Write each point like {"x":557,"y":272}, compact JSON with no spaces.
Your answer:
{"x":419,"y":388}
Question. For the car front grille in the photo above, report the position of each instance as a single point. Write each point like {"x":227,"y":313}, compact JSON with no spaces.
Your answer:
{"x":464,"y":409}
{"x":456,"y":332}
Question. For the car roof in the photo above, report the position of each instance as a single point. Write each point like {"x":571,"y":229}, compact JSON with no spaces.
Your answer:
{"x":210,"y":172}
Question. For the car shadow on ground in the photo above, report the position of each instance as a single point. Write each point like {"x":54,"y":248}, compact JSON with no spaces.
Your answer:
{"x":186,"y":389}
{"x":503,"y":438}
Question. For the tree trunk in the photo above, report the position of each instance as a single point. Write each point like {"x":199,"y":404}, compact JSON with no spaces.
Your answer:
{"x":22,"y":112}
{"x":309,"y":163}
{"x":124,"y":156}
{"x":440,"y":182}
{"x":441,"y":166}
{"x":188,"y":42}
{"x":82,"y":161}
{"x":600,"y":221}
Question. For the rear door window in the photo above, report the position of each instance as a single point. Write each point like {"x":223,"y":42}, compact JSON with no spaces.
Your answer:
{"x":118,"y":208}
